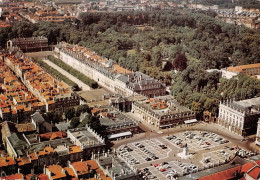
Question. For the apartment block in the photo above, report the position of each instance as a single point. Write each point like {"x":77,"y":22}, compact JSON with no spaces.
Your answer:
{"x":27,"y":88}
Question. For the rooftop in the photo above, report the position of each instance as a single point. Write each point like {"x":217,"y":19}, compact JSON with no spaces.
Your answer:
{"x":247,"y":105}
{"x":249,"y":102}
{"x":243,"y":67}
{"x":110,"y":117}
{"x":6,"y":161}
{"x":22,"y":40}
{"x":57,"y":171}
{"x":53,"y":135}
{"x":163,"y":105}
{"x":120,"y":169}
{"x":85,"y":137}
{"x":13,"y":177}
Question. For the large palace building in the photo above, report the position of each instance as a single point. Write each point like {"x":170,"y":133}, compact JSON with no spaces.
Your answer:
{"x":240,"y":116}
{"x":108,"y":74}
{"x":163,"y":112}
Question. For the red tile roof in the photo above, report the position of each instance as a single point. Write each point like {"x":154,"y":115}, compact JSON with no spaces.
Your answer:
{"x":13,"y":177}
{"x":227,"y":174}
{"x":255,"y":172}
{"x":7,"y":161}
{"x":57,"y":171}
{"x":43,"y":177}
{"x":81,"y":168}
{"x":40,"y":176}
{"x":243,"y":67}
{"x":53,"y":135}
{"x":247,"y":167}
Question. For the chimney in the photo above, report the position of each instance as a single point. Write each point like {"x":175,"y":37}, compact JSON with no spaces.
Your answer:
{"x":38,"y":137}
{"x":44,"y":169}
{"x":19,"y":170}
{"x":69,"y":164}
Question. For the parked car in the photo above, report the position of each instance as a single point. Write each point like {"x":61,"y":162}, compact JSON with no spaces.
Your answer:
{"x":156,"y":165}
{"x":162,"y":170}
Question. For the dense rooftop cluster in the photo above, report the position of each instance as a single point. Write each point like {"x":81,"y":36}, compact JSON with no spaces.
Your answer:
{"x":46,"y":14}
{"x":37,"y":90}
{"x":14,"y":95}
{"x":238,"y":15}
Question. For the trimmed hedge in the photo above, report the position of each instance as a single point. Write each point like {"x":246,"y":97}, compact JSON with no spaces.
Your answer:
{"x":74,"y":72}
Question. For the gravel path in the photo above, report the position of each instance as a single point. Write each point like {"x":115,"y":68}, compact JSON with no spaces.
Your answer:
{"x":82,"y":85}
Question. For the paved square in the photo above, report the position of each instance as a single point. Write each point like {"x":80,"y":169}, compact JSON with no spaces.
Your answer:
{"x":157,"y":158}
{"x":145,"y":151}
{"x":196,"y":140}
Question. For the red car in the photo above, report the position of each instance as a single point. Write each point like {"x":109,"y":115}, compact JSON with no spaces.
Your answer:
{"x":162,"y":170}
{"x":207,"y":143}
{"x":156,"y":165}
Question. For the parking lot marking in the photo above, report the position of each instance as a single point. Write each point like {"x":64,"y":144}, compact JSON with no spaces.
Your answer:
{"x":217,"y":152}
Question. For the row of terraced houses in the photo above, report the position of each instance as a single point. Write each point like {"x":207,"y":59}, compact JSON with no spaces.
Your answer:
{"x":26,"y":88}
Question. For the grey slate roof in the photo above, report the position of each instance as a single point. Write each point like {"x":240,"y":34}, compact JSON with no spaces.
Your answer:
{"x":37,"y":118}
{"x":63,"y":126}
{"x":122,"y":78}
{"x":19,"y":143}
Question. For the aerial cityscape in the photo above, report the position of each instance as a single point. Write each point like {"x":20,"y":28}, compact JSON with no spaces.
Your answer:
{"x":130,"y":89}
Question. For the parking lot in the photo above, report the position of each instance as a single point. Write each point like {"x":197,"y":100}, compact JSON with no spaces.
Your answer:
{"x":222,"y":155}
{"x":168,"y":170}
{"x":157,"y":158}
{"x":196,"y":140}
{"x":144,"y":151}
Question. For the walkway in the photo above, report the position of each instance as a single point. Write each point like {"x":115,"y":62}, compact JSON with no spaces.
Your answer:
{"x":82,"y":85}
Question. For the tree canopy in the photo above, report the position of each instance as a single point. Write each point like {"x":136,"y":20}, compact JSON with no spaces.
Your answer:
{"x":144,"y":40}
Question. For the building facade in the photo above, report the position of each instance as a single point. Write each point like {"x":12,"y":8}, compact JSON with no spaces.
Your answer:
{"x":240,"y":116}
{"x":162,"y":112}
{"x":107,"y":74}
{"x":30,"y":44}
{"x":257,"y":140}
